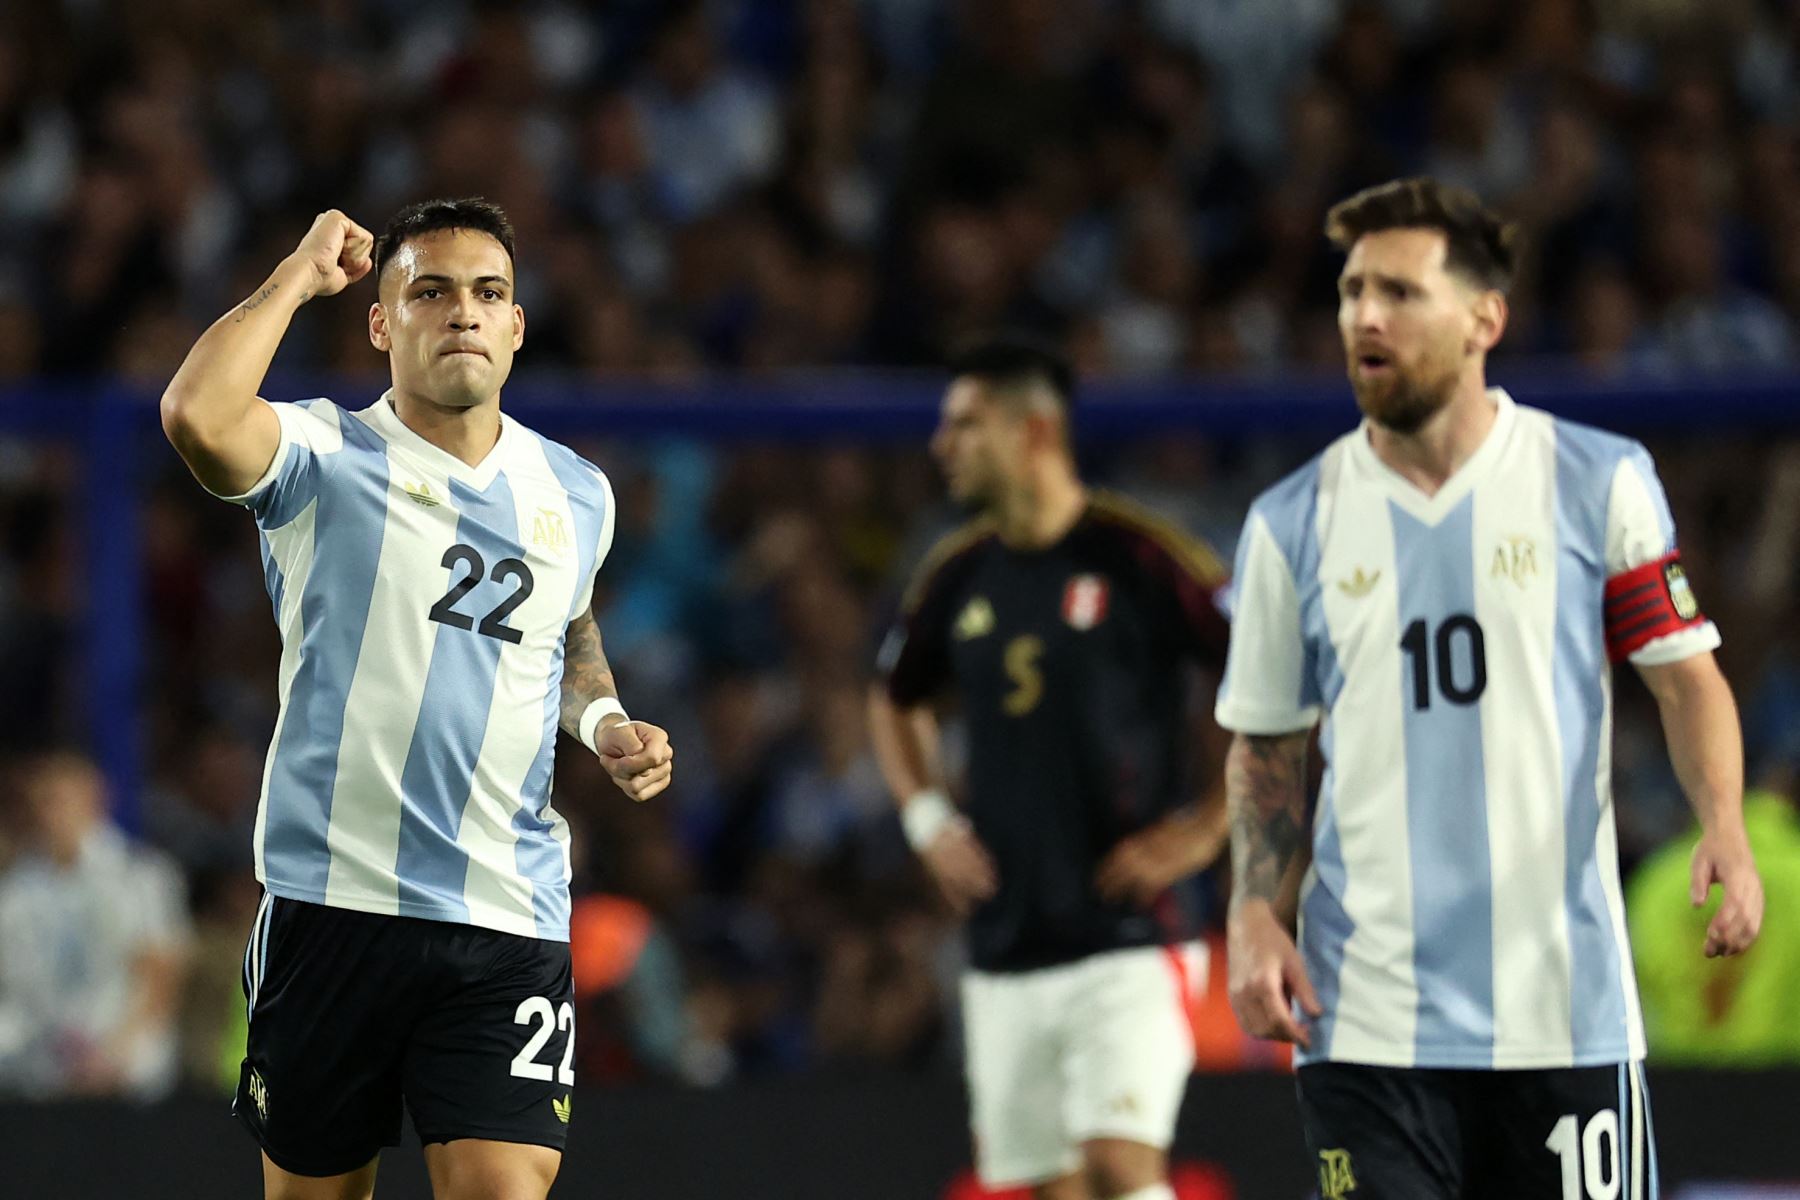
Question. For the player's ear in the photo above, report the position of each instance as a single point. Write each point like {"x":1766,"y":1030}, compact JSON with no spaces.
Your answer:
{"x":518,"y":327}
{"x":1490,"y":320}
{"x":378,"y":327}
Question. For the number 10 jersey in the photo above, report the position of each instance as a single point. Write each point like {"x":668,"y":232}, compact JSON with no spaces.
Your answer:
{"x":422,"y":604}
{"x":1463,"y":906}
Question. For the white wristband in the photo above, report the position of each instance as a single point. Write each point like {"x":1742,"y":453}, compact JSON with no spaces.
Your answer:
{"x":590,"y":719}
{"x":924,"y":816}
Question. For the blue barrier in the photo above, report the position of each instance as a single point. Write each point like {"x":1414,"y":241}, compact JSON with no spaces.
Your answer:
{"x":115,"y":425}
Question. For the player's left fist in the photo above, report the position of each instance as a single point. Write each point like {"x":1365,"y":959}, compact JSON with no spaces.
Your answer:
{"x":637,"y":755}
{"x":1725,"y":859}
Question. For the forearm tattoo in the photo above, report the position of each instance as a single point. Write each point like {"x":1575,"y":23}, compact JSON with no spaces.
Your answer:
{"x":1265,"y":784}
{"x":586,"y":675}
{"x":256,"y":301}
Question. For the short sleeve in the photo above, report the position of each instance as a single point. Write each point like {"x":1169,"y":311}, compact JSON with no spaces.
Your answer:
{"x":311,"y":434}
{"x":1189,"y":580}
{"x":914,"y":660}
{"x":1652,"y":614}
{"x":1267,"y":688}
{"x":602,"y":545}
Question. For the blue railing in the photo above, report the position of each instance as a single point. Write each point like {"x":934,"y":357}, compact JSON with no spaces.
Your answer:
{"x":114,"y":425}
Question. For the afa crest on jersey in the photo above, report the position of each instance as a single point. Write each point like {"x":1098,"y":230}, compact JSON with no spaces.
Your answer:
{"x":1681,"y":593}
{"x":1084,"y":601}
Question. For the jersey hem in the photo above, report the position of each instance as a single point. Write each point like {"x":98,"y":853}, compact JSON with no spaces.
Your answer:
{"x":422,"y":912}
{"x":1448,"y":1058}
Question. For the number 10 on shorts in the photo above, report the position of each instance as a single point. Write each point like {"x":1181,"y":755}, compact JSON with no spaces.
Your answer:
{"x":1583,"y":1159}
{"x":547,"y":1017}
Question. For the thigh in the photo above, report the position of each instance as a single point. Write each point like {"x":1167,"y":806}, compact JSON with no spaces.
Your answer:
{"x":285,"y":1185}
{"x":1381,"y":1133}
{"x":1580,"y":1133}
{"x":1015,"y":1079}
{"x":1131,"y":1043}
{"x":320,"y":1082}
{"x":475,"y":1169}
{"x":492,"y":1051}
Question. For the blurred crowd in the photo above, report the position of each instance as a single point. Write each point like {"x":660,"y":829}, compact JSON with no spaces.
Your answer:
{"x":766,"y":185}
{"x":769,"y":184}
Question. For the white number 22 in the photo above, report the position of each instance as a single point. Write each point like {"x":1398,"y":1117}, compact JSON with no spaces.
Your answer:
{"x":524,"y":1063}
{"x":1583,"y":1161}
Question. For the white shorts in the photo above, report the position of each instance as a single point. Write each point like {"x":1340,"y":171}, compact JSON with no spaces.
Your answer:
{"x":1097,"y":1048}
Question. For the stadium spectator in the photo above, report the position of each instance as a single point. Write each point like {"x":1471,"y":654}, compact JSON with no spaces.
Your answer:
{"x":94,"y":939}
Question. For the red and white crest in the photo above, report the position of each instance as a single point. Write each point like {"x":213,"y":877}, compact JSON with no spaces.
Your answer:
{"x":1084,"y":601}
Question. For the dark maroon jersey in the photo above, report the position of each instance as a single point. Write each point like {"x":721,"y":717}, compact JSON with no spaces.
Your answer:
{"x":1069,"y":667}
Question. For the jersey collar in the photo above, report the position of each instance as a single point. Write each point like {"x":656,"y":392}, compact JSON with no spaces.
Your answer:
{"x":1432,"y":509}
{"x":387,"y":422}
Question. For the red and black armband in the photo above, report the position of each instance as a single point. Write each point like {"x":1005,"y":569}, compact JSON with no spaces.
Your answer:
{"x":1646,"y":603}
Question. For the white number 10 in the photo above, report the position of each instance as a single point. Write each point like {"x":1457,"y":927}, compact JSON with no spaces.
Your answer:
{"x":524,"y":1063}
{"x":1583,"y":1161}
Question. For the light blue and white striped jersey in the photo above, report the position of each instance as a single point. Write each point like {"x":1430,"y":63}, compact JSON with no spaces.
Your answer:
{"x":1463,"y":905}
{"x":422,"y":605}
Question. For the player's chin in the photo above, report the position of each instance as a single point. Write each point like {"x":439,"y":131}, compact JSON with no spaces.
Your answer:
{"x":464,"y":382}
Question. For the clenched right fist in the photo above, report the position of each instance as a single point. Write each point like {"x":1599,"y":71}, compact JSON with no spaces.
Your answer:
{"x":337,"y":251}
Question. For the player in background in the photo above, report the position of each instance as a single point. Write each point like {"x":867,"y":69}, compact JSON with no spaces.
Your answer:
{"x":1447,"y":586}
{"x":1064,"y":621}
{"x":431,"y":564}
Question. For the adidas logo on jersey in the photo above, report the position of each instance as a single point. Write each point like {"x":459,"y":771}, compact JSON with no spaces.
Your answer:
{"x":420,"y":494}
{"x":1359,"y":584}
{"x":563,"y":1108}
{"x":976,"y":620}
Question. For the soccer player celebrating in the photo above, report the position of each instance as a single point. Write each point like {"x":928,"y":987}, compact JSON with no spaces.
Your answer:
{"x":431,"y":564}
{"x":1064,"y":620}
{"x":1447,"y":585}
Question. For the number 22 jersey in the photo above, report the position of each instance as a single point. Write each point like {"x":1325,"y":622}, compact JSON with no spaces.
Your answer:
{"x":422,"y":604}
{"x":1463,"y":906}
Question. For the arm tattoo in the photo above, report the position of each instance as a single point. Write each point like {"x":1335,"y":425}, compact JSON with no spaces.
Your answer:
{"x":255,"y":302}
{"x":586,"y":675}
{"x":1265,"y":784}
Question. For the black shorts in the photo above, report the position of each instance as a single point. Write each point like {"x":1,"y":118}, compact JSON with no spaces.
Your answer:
{"x":354,"y":1014}
{"x":1393,"y":1133}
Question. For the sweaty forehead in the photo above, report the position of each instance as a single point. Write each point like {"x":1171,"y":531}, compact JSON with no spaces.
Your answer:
{"x":459,"y":254}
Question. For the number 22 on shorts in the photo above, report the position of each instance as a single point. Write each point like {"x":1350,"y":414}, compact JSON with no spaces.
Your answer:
{"x":548,"y":1018}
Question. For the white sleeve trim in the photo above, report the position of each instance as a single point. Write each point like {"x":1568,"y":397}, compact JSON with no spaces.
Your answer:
{"x":282,"y":449}
{"x":1673,"y":647}
{"x":1246,"y":718}
{"x":314,"y":424}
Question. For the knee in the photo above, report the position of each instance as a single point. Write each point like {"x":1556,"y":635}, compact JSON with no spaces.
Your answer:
{"x":1120,"y":1170}
{"x":513,"y":1182}
{"x":510,"y":1187}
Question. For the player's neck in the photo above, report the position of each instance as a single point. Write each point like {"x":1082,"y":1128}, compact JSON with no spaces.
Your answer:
{"x":469,"y":434}
{"x":1427,"y":459}
{"x":1036,"y":515}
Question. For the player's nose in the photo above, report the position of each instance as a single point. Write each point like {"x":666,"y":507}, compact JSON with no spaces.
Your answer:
{"x":465,"y":314}
{"x":1366,"y":312}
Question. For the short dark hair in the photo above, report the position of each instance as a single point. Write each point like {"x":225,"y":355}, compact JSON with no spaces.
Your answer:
{"x":1481,"y":246}
{"x":1017,"y":361}
{"x":429,"y":216}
